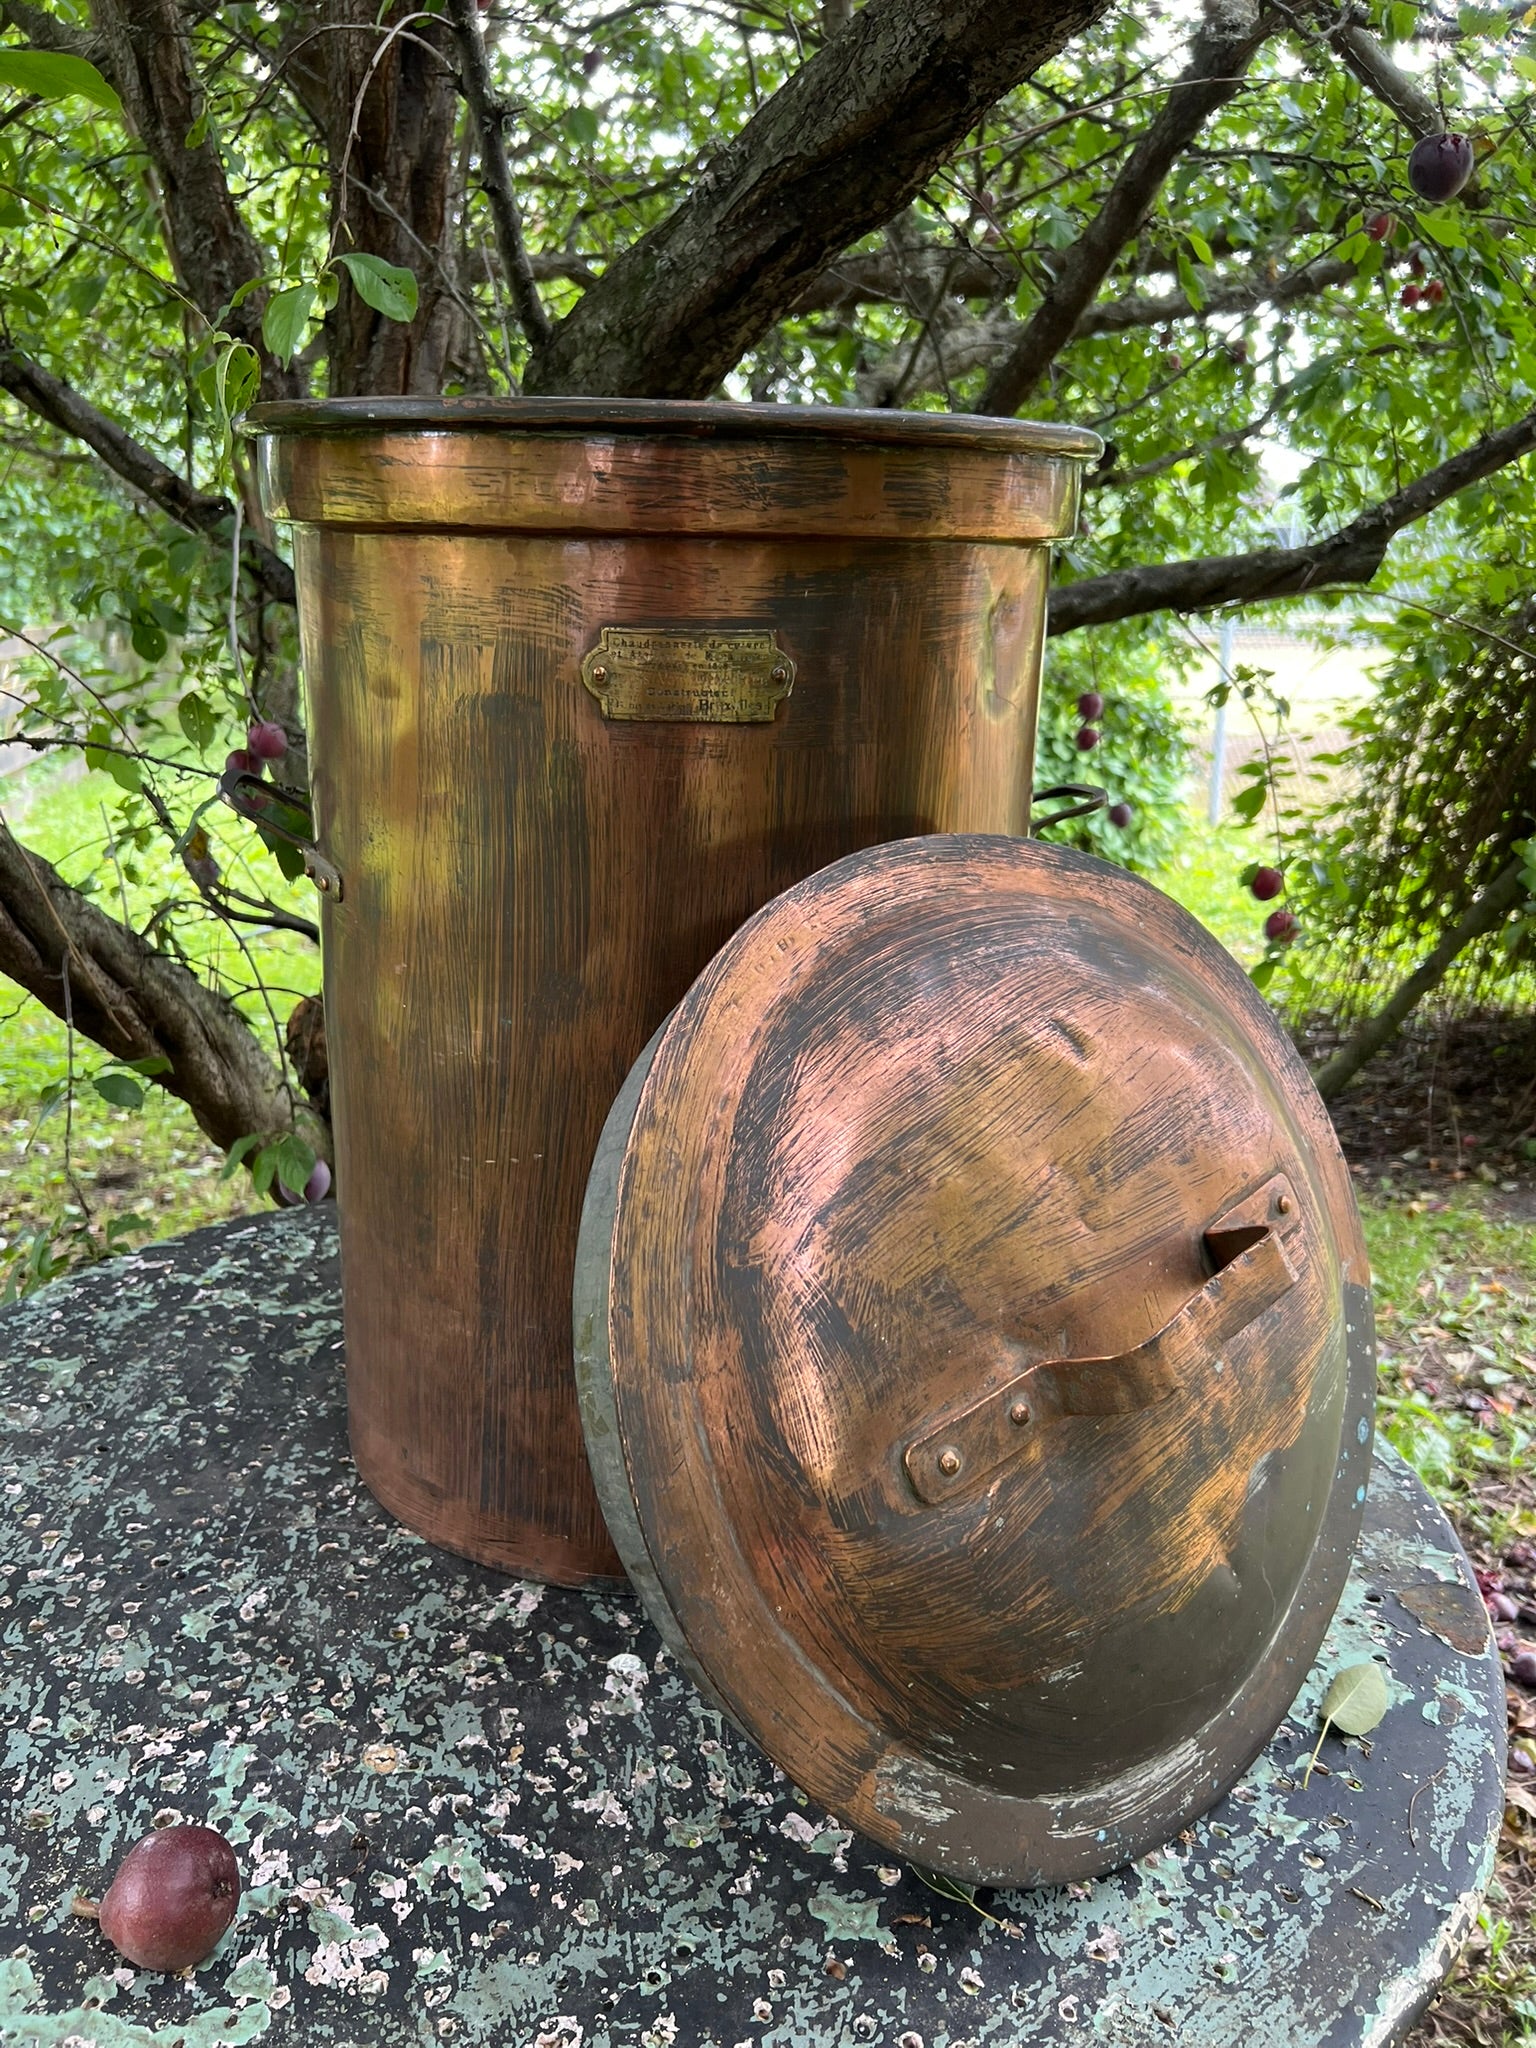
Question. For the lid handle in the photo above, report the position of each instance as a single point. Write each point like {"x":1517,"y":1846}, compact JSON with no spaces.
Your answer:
{"x":1251,"y":1273}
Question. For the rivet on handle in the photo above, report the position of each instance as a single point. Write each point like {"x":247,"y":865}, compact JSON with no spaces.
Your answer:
{"x":1249,"y":1273}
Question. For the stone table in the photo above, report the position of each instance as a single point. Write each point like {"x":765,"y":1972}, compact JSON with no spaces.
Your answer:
{"x":478,"y":1811}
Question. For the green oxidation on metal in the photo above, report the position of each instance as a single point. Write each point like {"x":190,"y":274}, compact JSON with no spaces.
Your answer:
{"x":480,"y":1811}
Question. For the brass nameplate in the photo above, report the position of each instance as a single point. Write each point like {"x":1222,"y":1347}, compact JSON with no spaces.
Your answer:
{"x":660,"y":674}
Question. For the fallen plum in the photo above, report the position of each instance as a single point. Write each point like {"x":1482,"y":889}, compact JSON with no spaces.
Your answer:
{"x":173,"y":1896}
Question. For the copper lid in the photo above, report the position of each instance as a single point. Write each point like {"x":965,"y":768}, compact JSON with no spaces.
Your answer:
{"x":973,"y":1336}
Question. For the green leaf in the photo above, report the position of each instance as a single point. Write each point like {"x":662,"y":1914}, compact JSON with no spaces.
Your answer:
{"x":83,"y":294}
{"x":954,"y":1888}
{"x":1262,"y":973}
{"x":239,"y":378}
{"x":295,"y":1163}
{"x":1200,"y":245}
{"x":156,"y":1063}
{"x":1523,"y":67}
{"x":1249,"y":802}
{"x":121,"y":1090}
{"x":229,"y":384}
{"x":197,"y":720}
{"x":386,"y":287}
{"x":149,"y":638}
{"x":1189,"y":280}
{"x":1354,"y":1703}
{"x":286,"y":320}
{"x":237,"y":1152}
{"x":1357,"y":1699}
{"x":23,"y":296}
{"x":123,"y":768}
{"x":264,"y":1169}
{"x":1445,"y":228}
{"x":51,"y":76}
{"x":581,"y":124}
{"x":288,"y":857}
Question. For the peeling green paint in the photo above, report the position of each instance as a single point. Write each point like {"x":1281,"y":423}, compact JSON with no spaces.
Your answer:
{"x":480,"y":1812}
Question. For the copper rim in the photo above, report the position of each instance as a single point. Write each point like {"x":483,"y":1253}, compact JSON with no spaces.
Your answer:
{"x":653,"y":416}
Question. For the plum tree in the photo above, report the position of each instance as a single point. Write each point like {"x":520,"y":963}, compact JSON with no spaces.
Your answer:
{"x":1186,"y":233}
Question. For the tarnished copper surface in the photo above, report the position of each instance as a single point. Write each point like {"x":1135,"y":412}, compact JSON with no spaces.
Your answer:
{"x":530,"y":885}
{"x":630,"y":466}
{"x":973,"y":1331}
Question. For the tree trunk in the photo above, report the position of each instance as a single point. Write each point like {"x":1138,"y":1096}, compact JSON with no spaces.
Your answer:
{"x":1485,"y":913}
{"x":391,"y":105}
{"x":146,"y":51}
{"x":837,"y":151}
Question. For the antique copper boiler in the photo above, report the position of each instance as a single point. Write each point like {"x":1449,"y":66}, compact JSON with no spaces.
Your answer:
{"x":589,"y":682}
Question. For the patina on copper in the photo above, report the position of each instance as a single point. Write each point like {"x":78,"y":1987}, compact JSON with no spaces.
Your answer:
{"x":531,"y":874}
{"x":974,"y":1338}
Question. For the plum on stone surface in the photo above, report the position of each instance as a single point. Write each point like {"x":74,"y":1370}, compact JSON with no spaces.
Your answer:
{"x":174,"y":1895}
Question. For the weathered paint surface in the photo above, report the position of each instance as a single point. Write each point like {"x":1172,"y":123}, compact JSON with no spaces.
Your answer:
{"x":475,"y":1810}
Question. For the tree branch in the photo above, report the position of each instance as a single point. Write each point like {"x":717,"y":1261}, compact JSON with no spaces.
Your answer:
{"x":906,"y":278}
{"x":1486,"y":912}
{"x":1380,"y":76}
{"x":497,"y":174}
{"x":1114,"y":478}
{"x":1218,"y":63}
{"x":1352,"y":555}
{"x":146,"y":51}
{"x":1114,"y":316}
{"x":910,"y":277}
{"x":138,"y":1003}
{"x":61,"y":406}
{"x":45,"y":31}
{"x":955,"y":344}
{"x":844,"y":144}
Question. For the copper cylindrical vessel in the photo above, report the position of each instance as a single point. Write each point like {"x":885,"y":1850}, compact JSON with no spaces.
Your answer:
{"x":588,"y":683}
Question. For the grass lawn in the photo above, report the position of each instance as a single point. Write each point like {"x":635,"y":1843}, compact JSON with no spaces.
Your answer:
{"x":79,"y":1177}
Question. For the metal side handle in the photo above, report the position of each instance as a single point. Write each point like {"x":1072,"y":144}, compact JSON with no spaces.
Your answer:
{"x":260,"y":804}
{"x":1252,"y":1272}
